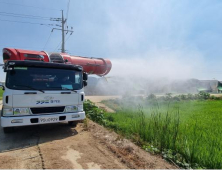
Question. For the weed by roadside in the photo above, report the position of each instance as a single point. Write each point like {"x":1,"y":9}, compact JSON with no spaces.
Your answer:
{"x":1,"y":93}
{"x":86,"y":124}
{"x":93,"y":112}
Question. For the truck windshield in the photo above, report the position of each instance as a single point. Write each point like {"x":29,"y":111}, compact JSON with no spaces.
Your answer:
{"x":25,"y":78}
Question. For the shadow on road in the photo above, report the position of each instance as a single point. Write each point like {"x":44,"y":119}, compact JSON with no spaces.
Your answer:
{"x":29,"y":136}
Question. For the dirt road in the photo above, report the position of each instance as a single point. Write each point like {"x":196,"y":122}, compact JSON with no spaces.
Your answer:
{"x":97,"y":100}
{"x":59,"y":146}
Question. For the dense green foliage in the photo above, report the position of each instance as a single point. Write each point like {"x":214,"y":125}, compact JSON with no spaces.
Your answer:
{"x":93,"y":112}
{"x":182,"y":128}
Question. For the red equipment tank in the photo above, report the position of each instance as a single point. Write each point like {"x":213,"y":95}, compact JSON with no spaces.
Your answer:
{"x":98,"y":66}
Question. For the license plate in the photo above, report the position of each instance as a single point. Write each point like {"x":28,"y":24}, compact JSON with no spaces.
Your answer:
{"x":48,"y":119}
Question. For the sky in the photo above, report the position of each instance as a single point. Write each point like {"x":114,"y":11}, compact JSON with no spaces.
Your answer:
{"x":176,"y":39}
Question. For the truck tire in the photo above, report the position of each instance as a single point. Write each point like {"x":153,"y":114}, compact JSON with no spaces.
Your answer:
{"x":72,"y":123}
{"x":8,"y":129}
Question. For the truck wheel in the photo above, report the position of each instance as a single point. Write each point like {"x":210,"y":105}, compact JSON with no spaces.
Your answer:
{"x":8,"y":129}
{"x":72,"y":123}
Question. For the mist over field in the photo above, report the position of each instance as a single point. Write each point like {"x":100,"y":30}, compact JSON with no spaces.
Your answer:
{"x":161,"y":46}
{"x":159,"y":72}
{"x":170,"y":65}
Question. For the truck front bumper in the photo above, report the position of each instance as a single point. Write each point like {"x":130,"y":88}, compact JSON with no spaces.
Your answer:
{"x":37,"y":119}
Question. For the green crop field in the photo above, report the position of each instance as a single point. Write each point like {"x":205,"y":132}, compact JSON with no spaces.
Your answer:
{"x":187,"y":132}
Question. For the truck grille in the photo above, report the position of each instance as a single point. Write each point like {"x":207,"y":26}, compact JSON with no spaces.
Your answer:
{"x":42,"y":110}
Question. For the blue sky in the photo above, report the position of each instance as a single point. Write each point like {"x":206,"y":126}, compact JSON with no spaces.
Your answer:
{"x":183,"y":37}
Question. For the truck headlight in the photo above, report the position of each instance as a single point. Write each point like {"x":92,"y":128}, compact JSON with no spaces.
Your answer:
{"x":8,"y":112}
{"x":71,"y":109}
{"x":21,"y":111}
{"x":80,"y":108}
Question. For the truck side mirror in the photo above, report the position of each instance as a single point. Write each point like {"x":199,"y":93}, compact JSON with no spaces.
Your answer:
{"x":85,"y":83}
{"x":85,"y":76}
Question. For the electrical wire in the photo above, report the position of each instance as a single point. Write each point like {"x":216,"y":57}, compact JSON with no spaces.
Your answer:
{"x":24,"y":22}
{"x":68,"y":38}
{"x":38,"y":48}
{"x":57,"y":46}
{"x":23,"y":15}
{"x":61,"y":43}
{"x":67,"y":13}
{"x":47,"y":40}
{"x":29,"y":6}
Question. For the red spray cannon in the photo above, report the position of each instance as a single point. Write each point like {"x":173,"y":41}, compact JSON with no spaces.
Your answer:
{"x":98,"y":66}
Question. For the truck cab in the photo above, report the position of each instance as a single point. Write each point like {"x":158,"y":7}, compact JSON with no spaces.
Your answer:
{"x":38,"y":92}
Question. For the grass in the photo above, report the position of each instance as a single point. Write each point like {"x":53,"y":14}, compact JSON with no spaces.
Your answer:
{"x":187,"y":132}
{"x":1,"y":93}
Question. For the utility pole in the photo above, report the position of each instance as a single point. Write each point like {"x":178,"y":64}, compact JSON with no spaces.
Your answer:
{"x":63,"y":35}
{"x":63,"y":21}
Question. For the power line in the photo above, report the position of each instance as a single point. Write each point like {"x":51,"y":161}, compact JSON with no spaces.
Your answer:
{"x":61,"y":42}
{"x":67,"y":40}
{"x":58,"y":46}
{"x":24,"y":22}
{"x":21,"y":46}
{"x":24,"y":15}
{"x":68,"y":37}
{"x":47,"y":40}
{"x":67,"y":13}
{"x":28,"y":6}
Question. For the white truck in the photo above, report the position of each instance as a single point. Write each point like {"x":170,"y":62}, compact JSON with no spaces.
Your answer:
{"x":39,"y":92}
